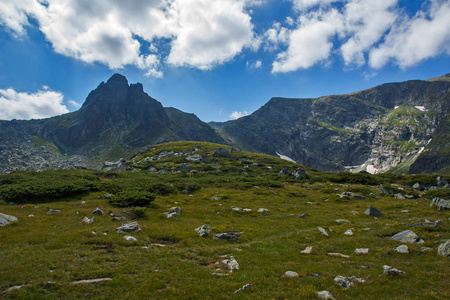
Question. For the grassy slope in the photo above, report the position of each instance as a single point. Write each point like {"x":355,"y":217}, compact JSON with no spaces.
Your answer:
{"x":61,"y":249}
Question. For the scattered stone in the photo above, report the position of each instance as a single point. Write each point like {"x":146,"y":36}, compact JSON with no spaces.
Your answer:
{"x":283,"y":172}
{"x":362,"y":250}
{"x":399,"y":196}
{"x":441,"y":181}
{"x":382,"y":190}
{"x":350,"y":195}
{"x":402,"y":249}
{"x":407,"y":236}
{"x":425,"y":249}
{"x":173,"y":212}
{"x":322,"y":231}
{"x":440,"y":203}
{"x":444,"y":249}
{"x":263,"y":210}
{"x":344,"y":282}
{"x":342,"y":221}
{"x":185,"y":167}
{"x":417,"y":186}
{"x":163,"y":172}
{"x":388,"y":270}
{"x":349,"y":232}
{"x":203,"y":230}
{"x":290,"y":274}
{"x":307,"y":250}
{"x":152,"y":169}
{"x":105,"y":196}
{"x":243,"y":288}
{"x":88,"y":281}
{"x":325,"y":295}
{"x":247,"y":210}
{"x":130,"y":238}
{"x":238,"y":209}
{"x":215,"y":198}
{"x":221,"y":152}
{"x":129,"y":227}
{"x":405,"y":211}
{"x":231,"y":263}
{"x":372,"y":211}
{"x":228,"y":236}
{"x":355,"y":213}
{"x":426,"y":224}
{"x":98,"y":211}
{"x":338,"y":254}
{"x":303,"y":216}
{"x":87,"y":220}
{"x":300,"y":174}
{"x":29,"y":216}
{"x":15,"y":287}
{"x":6,"y":219}
{"x":53,"y":211}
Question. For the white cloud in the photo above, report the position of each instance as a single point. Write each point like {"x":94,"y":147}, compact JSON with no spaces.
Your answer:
{"x":254,"y":65}
{"x":74,"y":104}
{"x":413,"y":40}
{"x":203,"y":33}
{"x":42,"y":104}
{"x":309,"y":43}
{"x":238,"y":114}
{"x":306,"y":4}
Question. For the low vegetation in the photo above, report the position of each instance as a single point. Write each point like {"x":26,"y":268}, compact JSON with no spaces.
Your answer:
{"x":45,"y":253}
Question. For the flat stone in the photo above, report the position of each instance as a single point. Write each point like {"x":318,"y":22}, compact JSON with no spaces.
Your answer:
{"x":290,"y":274}
{"x":343,"y":282}
{"x":342,"y":221}
{"x":307,"y":250}
{"x":53,"y":211}
{"x":248,"y":285}
{"x":303,"y":216}
{"x":203,"y":230}
{"x":425,"y":249}
{"x":444,"y":249}
{"x":362,"y":250}
{"x":173,"y":212}
{"x":402,"y":249}
{"x":322,"y":231}
{"x":349,"y":232}
{"x":89,"y":281}
{"x":263,"y":210}
{"x":228,"y":236}
{"x":130,"y":238}
{"x":325,"y":295}
{"x":87,"y":220}
{"x":215,"y":198}
{"x":407,"y":236}
{"x":388,"y":270}
{"x":338,"y":254}
{"x":129,"y":227}
{"x":6,"y":219}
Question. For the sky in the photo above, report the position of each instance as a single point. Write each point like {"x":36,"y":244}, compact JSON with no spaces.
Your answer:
{"x":218,"y":59}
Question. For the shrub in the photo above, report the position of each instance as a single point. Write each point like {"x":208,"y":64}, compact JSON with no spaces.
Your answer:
{"x":131,"y":198}
{"x":138,"y":212}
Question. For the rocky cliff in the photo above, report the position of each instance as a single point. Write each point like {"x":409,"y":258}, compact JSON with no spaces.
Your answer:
{"x":399,"y":127}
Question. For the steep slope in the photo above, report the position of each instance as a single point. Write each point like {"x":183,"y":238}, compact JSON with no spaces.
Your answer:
{"x":389,"y":127}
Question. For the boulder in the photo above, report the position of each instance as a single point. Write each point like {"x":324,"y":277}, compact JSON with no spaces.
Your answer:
{"x":444,"y":249}
{"x":342,"y":221}
{"x":235,"y":208}
{"x":228,"y":236}
{"x":290,"y":274}
{"x":407,"y":236}
{"x":417,"y":186}
{"x":221,"y":152}
{"x":299,"y":174}
{"x":203,"y":230}
{"x":173,"y":212}
{"x":283,"y":172}
{"x":372,"y":211}
{"x":402,"y":249}
{"x":129,"y":227}
{"x":98,"y":211}
{"x":194,"y":158}
{"x":388,"y":270}
{"x":6,"y":219}
{"x":440,"y":203}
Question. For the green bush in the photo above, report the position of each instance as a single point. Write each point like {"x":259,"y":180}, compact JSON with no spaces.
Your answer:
{"x":441,"y":193}
{"x":139,"y":212}
{"x":132,"y":198}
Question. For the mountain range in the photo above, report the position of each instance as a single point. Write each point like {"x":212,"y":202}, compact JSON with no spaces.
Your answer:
{"x":396,"y":127}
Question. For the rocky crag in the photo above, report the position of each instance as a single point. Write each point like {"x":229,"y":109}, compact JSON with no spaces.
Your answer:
{"x":398,"y":127}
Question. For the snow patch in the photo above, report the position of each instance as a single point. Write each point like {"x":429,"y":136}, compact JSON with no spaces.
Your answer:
{"x":285,"y":157}
{"x":421,"y":108}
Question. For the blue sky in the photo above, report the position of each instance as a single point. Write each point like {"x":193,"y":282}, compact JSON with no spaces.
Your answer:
{"x":219,"y":59}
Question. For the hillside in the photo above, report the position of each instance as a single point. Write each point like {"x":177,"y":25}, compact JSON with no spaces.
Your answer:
{"x":59,"y":249}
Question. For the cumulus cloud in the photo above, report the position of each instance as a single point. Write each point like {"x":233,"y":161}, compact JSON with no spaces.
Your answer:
{"x":424,"y":36}
{"x":42,"y":104}
{"x":254,"y":65}
{"x":202,"y":33}
{"x":309,"y":43}
{"x":306,"y":4}
{"x":238,"y":114}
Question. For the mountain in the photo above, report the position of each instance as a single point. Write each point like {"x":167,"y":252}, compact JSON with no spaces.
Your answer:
{"x":116,"y":121}
{"x":401,"y":127}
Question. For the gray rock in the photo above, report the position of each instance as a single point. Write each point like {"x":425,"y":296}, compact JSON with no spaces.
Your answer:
{"x":283,"y":172}
{"x":307,"y":250}
{"x":130,"y":238}
{"x":417,"y":186}
{"x":194,"y":158}
{"x":238,"y":209}
{"x":53,"y":211}
{"x":163,"y":172}
{"x":173,"y":212}
{"x":6,"y":219}
{"x":426,"y":224}
{"x":203,"y":230}
{"x":402,"y":249}
{"x":444,"y":249}
{"x":105,"y":196}
{"x":231,"y":263}
{"x":343,"y":282}
{"x":342,"y":221}
{"x":441,"y":181}
{"x":372,"y":211}
{"x":425,"y":249}
{"x":129,"y":227}
{"x":303,"y":216}
{"x":350,"y":195}
{"x":114,"y":165}
{"x":221,"y":152}
{"x":362,"y":250}
{"x":215,"y":198}
{"x":388,"y":270}
{"x":299,"y":174}
{"x":248,"y":285}
{"x":185,"y":167}
{"x":399,"y":196}
{"x":382,"y":191}
{"x":290,"y":274}
{"x":87,"y":220}
{"x":152,"y":169}
{"x":441,"y":204}
{"x":263,"y":210}
{"x":349,"y":232}
{"x":89,"y":281}
{"x":228,"y":236}
{"x":98,"y":211}
{"x":322,"y":231}
{"x":325,"y":295}
{"x":407,"y":236}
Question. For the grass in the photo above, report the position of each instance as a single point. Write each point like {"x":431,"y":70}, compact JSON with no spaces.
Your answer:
{"x":61,"y":249}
